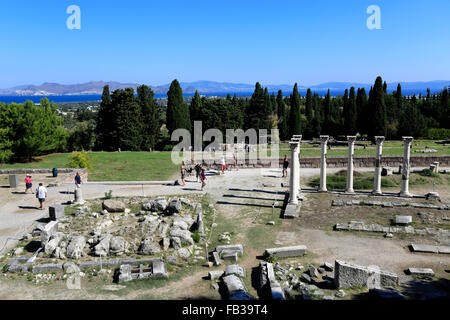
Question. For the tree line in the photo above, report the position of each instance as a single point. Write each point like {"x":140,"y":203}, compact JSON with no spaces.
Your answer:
{"x":130,"y":120}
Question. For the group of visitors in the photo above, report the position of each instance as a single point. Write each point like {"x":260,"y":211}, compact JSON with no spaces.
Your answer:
{"x":199,"y":172}
{"x":41,"y":191}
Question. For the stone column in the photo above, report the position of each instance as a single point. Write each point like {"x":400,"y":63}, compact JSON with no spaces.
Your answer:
{"x":293,"y":182}
{"x":323,"y":164}
{"x":298,"y":138}
{"x":404,"y":192}
{"x":78,"y":196}
{"x":351,"y":146}
{"x":377,"y":179}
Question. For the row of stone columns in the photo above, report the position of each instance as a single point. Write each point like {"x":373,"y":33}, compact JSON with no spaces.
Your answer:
{"x":294,"y":184}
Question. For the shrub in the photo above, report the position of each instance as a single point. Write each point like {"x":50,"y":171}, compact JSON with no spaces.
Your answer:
{"x":196,"y":236}
{"x":271,"y":259}
{"x":438,"y":133}
{"x":80,"y":159}
{"x":108,"y":195}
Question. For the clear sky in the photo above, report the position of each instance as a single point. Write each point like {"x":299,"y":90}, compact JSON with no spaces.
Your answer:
{"x":274,"y":42}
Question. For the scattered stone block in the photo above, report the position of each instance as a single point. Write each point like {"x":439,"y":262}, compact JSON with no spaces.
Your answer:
{"x":313,"y":272}
{"x":174,"y":206}
{"x":216,"y":258}
{"x":337,"y":203}
{"x":403,"y":219}
{"x":328,"y":266}
{"x":235,"y":269}
{"x":13,"y":181}
{"x":233,"y":284}
{"x":433,"y":196}
{"x":233,"y":257}
{"x":159,"y":269}
{"x":70,"y":267}
{"x":421,"y":271}
{"x":113,"y":205}
{"x":424,"y":248}
{"x":305,"y":278}
{"x":213,"y":275}
{"x":48,"y":267}
{"x":292,"y":251}
{"x":387,"y":171}
{"x":48,"y":231}
{"x":347,"y":275}
{"x":56,"y":212}
{"x":230,"y":249}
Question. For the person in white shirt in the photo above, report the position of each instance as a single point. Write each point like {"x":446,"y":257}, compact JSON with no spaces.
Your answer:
{"x":41,"y":194}
{"x":223,"y":164}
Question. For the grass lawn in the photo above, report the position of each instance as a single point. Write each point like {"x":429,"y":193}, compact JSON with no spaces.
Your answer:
{"x":389,"y":148}
{"x":364,"y":180}
{"x":113,"y":166}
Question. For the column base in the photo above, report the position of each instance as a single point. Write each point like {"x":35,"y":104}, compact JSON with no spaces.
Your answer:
{"x":349,"y":191}
{"x":405,"y":195}
{"x":293,"y":202}
{"x":322,"y":190}
{"x":377,"y":193}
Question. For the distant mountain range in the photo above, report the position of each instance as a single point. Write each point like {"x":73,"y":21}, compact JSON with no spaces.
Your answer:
{"x":206,"y":87}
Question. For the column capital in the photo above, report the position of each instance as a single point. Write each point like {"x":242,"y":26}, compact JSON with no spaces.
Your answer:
{"x":351,"y":139}
{"x":324,"y":138}
{"x":407,"y":139}
{"x":379,"y":139}
{"x":294,"y":145}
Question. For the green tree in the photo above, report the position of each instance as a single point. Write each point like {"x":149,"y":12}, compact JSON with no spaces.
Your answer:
{"x":294,"y":117}
{"x":149,"y":119}
{"x":177,"y":113}
{"x":282,"y":117}
{"x":128,"y":120}
{"x":378,"y":110}
{"x":351,"y":113}
{"x":105,"y":128}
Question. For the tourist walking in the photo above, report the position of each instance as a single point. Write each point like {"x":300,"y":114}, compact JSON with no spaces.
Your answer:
{"x":28,"y":183}
{"x":223,"y":164}
{"x":285,"y":165}
{"x":41,"y":194}
{"x":203,"y":178}
{"x":198,"y":171}
{"x":183,"y":174}
{"x":235,"y":161}
{"x":78,"y":180}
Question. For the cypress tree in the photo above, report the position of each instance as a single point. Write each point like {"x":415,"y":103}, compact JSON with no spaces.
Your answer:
{"x":282,"y":117}
{"x":345,"y":109}
{"x":351,"y":117}
{"x":378,"y":109}
{"x":308,"y":105}
{"x":256,"y":116}
{"x":327,"y":107}
{"x":177,"y":114}
{"x":128,"y":120}
{"x":399,"y":97}
{"x":294,"y":117}
{"x":149,"y":111}
{"x":362,"y":114}
{"x":273,"y":103}
{"x":105,"y":122}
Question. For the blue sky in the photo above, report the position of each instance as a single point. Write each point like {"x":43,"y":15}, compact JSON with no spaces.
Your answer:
{"x":274,"y":42}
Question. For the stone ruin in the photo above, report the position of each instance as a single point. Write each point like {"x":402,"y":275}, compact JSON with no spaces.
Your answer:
{"x":166,"y":228}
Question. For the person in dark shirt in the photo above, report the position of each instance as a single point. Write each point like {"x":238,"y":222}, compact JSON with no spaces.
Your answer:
{"x":198,"y":171}
{"x":78,"y":180}
{"x":285,"y":165}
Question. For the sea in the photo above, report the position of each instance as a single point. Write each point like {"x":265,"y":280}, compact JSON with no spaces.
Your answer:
{"x":98,"y":97}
